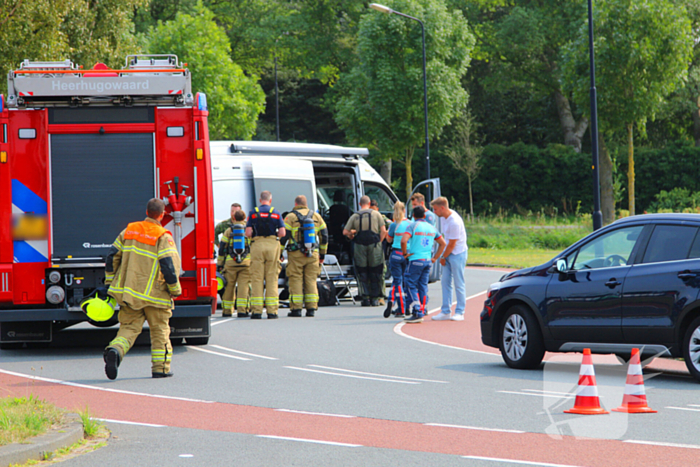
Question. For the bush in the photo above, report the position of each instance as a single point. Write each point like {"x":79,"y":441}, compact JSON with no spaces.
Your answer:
{"x":676,"y":200}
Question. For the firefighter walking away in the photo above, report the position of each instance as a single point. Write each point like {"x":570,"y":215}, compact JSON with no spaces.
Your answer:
{"x":142,"y":271}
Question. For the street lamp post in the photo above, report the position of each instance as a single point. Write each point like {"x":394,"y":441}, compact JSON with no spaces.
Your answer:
{"x":277,"y":102}
{"x":387,"y":10}
{"x":597,"y":214}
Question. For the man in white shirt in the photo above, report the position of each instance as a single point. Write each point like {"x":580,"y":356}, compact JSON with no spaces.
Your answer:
{"x":454,"y":260}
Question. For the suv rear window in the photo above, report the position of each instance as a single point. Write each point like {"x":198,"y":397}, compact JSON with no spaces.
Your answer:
{"x":669,"y":243}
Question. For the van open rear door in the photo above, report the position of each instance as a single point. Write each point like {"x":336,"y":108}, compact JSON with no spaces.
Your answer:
{"x":431,"y":190}
{"x":286,"y":179}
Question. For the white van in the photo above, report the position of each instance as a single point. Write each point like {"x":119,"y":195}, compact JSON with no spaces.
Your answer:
{"x":328,"y":175}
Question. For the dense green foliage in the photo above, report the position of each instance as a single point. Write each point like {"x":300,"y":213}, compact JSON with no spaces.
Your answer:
{"x":350,"y":75}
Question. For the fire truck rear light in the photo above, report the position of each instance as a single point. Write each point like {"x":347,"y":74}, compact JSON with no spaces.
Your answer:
{"x":54,"y":277}
{"x":55,"y":294}
{"x":27,"y":133}
{"x":3,"y":157}
{"x":200,"y":154}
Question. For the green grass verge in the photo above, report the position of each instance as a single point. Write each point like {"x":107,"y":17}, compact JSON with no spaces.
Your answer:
{"x":22,"y":418}
{"x":511,"y":258}
{"x":524,"y":237}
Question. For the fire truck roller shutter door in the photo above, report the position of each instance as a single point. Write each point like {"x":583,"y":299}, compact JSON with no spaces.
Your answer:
{"x":116,"y":169}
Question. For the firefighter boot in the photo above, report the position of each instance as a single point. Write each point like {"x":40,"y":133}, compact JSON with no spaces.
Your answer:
{"x":294,"y":313}
{"x":112,"y":361}
{"x":310,"y":313}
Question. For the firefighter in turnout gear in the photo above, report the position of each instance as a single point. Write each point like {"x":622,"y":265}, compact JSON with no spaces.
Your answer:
{"x":142,"y":271}
{"x":234,"y":261}
{"x":225,"y":224}
{"x":307,"y":242}
{"x":366,"y":228}
{"x":265,"y":227}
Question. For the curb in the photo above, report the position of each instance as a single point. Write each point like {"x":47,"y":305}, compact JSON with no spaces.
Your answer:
{"x":34,"y":448}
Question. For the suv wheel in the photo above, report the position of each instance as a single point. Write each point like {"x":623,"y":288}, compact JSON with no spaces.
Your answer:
{"x":691,"y":348}
{"x":521,"y":339}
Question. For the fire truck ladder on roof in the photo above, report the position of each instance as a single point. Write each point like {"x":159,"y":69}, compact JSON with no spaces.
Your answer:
{"x":146,"y":80}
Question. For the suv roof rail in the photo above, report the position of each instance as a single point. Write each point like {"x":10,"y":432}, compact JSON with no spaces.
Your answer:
{"x":275,"y":148}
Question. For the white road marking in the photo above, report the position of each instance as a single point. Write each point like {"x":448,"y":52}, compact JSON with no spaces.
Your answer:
{"x":243,"y":353}
{"x":378,"y":374}
{"x":129,"y":423}
{"x":512,"y":461}
{"x":478,"y":428}
{"x":222,"y":320}
{"x":218,"y":353}
{"x":315,"y":413}
{"x":684,"y":408}
{"x":98,"y":388}
{"x":693,"y":405}
{"x":304,"y":440}
{"x":536,"y":395}
{"x":397,"y":330}
{"x":668,"y":445}
{"x":351,"y":376}
{"x":541,"y":391}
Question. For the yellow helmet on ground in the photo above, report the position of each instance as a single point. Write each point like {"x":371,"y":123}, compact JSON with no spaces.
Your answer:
{"x":99,"y":310}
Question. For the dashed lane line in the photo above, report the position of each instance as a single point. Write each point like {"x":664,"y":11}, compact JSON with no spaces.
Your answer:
{"x":124,"y":422}
{"x":352,"y":376}
{"x":98,"y":388}
{"x":555,"y":396}
{"x":316,"y":441}
{"x":315,"y":413}
{"x":199,"y":349}
{"x":477,"y":428}
{"x":243,"y":353}
{"x":377,"y":374}
{"x":669,"y":445}
{"x":684,"y":408}
{"x":513,"y":461}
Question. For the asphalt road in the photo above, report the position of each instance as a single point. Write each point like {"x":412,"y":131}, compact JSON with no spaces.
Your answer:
{"x":352,"y":388}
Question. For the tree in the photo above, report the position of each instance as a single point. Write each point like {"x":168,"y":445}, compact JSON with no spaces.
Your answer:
{"x":234,"y":99}
{"x":381,"y":98}
{"x":81,"y":30}
{"x":464,"y":154}
{"x":522,"y":41}
{"x":642,"y":50}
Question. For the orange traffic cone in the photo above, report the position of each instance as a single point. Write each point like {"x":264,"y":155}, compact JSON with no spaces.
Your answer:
{"x":634,"y":400}
{"x":587,"y":402}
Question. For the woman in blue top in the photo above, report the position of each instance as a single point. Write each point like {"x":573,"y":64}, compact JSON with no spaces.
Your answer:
{"x":397,"y":262}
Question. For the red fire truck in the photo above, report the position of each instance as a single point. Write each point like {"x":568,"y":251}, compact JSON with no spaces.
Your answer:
{"x":81,"y":152}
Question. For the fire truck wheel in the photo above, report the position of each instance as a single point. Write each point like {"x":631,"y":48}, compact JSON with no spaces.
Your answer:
{"x":197,"y":340}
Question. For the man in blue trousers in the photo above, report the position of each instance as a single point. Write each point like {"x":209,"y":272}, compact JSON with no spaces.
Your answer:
{"x":417,"y":247}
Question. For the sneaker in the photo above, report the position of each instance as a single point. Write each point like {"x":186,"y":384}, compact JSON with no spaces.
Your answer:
{"x":441,"y":317}
{"x":457,"y":317}
{"x":295,"y":314}
{"x":256,"y":316}
{"x":161,"y":374}
{"x":415,"y":318}
{"x":272,"y":316}
{"x":366,"y":302}
{"x":399,"y":314}
{"x":112,"y":360}
{"x":382,"y":302}
{"x":310,"y":313}
{"x":243,"y":315}
{"x":374,"y":302}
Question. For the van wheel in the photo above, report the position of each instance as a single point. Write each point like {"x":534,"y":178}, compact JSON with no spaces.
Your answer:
{"x":691,"y":348}
{"x":521,"y":341}
{"x":197,"y":340}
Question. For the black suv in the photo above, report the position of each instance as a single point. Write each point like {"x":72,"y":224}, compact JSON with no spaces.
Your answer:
{"x":633,"y":283}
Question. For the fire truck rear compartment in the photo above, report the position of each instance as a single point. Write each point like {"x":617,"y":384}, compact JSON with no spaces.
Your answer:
{"x":99,"y":183}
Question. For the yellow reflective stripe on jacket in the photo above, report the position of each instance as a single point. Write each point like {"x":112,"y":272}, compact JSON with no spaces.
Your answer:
{"x":140,"y":251}
{"x":118,"y":244}
{"x":166,"y":252}
{"x":152,"y":278}
{"x":140,"y":295}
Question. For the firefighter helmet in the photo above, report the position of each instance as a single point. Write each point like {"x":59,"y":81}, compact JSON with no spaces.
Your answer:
{"x":220,"y":282}
{"x":99,"y":310}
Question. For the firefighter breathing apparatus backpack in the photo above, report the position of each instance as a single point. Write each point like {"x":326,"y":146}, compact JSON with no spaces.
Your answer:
{"x":238,"y":249}
{"x":308,"y":242}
